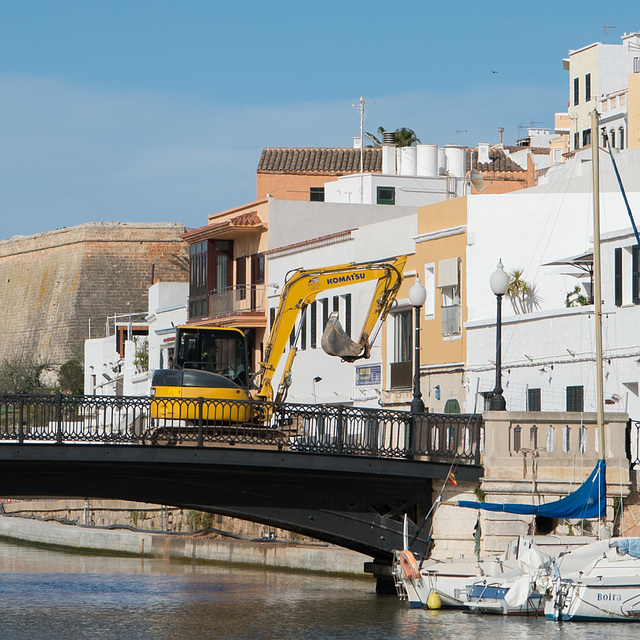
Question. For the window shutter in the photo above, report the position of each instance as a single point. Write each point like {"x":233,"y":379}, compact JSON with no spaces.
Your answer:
{"x":618,"y":277}
{"x":635,"y":274}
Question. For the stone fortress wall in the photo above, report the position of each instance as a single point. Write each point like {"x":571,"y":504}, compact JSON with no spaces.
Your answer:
{"x":52,"y":284}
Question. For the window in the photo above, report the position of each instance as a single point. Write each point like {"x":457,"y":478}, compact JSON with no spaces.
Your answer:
{"x":386,"y":195}
{"x":316,"y":194}
{"x":198,"y":279}
{"x":612,"y":138}
{"x":313,"y":321}
{"x":576,"y":91}
{"x":586,"y":137}
{"x":449,"y":285}
{"x":303,"y":330}
{"x":402,"y":346}
{"x":241,"y":278}
{"x":557,"y":156}
{"x":636,"y":65}
{"x":617,"y":270}
{"x":575,"y":398}
{"x":533,"y":400}
{"x":325,"y":312}
{"x":621,"y":137}
{"x":587,"y":87}
{"x":576,"y":140}
{"x":635,"y":274}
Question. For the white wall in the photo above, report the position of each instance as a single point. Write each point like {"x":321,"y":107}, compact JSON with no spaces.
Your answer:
{"x":101,"y":359}
{"x":368,"y":242}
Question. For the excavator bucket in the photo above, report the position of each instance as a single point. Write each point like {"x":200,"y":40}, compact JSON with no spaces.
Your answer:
{"x":336,"y":342}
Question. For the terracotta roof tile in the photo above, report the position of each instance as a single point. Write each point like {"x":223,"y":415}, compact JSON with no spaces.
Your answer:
{"x":498,"y":161}
{"x":305,"y":160}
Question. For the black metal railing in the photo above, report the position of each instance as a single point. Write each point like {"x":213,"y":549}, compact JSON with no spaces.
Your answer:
{"x":339,"y":429}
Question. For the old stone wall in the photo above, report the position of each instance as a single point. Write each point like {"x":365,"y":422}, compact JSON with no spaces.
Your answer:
{"x":54,"y":284}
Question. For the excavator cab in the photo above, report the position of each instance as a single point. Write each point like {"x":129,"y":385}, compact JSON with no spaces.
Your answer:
{"x":211,"y":363}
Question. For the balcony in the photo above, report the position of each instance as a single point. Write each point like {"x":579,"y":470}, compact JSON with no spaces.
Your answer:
{"x":238,"y":300}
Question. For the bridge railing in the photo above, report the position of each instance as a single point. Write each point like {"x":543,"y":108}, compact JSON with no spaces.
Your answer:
{"x":156,"y":421}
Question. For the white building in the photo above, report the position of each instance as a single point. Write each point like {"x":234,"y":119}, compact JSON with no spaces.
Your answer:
{"x":122,"y":363}
{"x":322,"y":235}
{"x":548,"y":354}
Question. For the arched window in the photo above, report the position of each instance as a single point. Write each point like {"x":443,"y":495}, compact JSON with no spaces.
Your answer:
{"x":550,"y":438}
{"x":517,"y":439}
{"x":621,"y":137}
{"x":533,"y":437}
{"x":612,"y":138}
{"x":582,"y":440}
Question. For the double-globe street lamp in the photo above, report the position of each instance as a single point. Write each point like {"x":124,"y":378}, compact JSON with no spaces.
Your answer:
{"x":499,"y":285}
{"x":417,"y":297}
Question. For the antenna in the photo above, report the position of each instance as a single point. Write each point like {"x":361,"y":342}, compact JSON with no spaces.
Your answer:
{"x":360,"y":107}
{"x":607,"y":27}
{"x":460,"y":131}
{"x":476,"y":179}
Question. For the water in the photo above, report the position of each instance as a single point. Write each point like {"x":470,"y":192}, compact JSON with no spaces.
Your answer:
{"x":49,"y":595}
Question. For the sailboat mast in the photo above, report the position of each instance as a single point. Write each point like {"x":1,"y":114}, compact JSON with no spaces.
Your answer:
{"x":597,"y":293}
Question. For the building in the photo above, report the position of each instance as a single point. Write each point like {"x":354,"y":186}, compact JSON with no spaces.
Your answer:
{"x":604,"y":77}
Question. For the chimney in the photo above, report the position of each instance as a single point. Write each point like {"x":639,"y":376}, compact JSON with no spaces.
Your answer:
{"x":357,"y":142}
{"x":483,"y":152}
{"x":389,"y":153}
{"x":500,"y":132}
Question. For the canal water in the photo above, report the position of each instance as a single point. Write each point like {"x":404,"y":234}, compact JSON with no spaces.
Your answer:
{"x":50,"y":595}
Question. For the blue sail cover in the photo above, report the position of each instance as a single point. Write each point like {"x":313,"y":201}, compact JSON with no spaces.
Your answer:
{"x":588,"y":501}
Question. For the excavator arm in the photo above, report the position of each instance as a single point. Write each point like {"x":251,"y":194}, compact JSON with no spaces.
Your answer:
{"x":301,"y":289}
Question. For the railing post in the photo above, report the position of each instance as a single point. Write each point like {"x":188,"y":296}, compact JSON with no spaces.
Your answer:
{"x":200,"y":430}
{"x":478,"y":434}
{"x":21,"y":421}
{"x":58,"y":418}
{"x":339,"y":429}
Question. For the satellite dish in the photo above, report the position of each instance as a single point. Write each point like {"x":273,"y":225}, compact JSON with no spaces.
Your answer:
{"x":476,"y":179}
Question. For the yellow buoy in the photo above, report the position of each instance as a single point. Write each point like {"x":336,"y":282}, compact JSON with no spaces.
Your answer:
{"x":433,"y":601}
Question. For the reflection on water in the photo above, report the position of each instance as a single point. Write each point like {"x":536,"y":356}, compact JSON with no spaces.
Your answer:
{"x":52,"y":595}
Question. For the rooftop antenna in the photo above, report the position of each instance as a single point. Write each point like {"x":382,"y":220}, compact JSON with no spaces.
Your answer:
{"x":360,"y":107}
{"x":460,"y":131}
{"x":607,"y":27}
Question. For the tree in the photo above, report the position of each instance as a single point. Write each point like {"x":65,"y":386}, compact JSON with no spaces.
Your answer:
{"x":71,"y":377}
{"x":576,"y":298}
{"x":403,"y":137}
{"x":22,"y":374}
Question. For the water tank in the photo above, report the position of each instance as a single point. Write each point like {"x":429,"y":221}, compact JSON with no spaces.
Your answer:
{"x":427,"y":160}
{"x":389,"y":159}
{"x":442,"y":162}
{"x":456,"y":160}
{"x":407,"y":158}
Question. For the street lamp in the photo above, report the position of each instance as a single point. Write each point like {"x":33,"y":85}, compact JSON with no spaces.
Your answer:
{"x":499,"y":285}
{"x":315,"y":381}
{"x":417,"y":297}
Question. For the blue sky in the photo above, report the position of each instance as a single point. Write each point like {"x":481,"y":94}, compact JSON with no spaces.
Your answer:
{"x":157,"y":110}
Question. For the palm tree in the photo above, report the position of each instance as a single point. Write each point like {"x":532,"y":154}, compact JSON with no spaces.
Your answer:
{"x":403,"y":137}
{"x":518,"y":291}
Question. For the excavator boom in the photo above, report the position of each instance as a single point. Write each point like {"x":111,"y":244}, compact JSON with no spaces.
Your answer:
{"x":301,"y":288}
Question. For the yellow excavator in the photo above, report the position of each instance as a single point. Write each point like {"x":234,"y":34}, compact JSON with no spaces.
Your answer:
{"x":213,"y":362}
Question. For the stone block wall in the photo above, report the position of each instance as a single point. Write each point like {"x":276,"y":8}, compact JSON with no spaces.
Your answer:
{"x":52,"y":285}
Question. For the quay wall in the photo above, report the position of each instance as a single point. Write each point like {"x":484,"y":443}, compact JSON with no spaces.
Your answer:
{"x":307,"y":557}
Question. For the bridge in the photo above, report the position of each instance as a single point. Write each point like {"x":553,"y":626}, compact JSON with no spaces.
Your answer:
{"x":340,"y":474}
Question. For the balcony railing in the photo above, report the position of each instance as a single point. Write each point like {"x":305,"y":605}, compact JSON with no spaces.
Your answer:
{"x":240,"y":298}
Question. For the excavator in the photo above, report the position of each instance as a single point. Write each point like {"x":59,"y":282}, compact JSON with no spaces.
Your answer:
{"x":213,"y":362}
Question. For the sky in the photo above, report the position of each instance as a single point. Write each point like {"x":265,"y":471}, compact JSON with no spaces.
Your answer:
{"x":157,"y":110}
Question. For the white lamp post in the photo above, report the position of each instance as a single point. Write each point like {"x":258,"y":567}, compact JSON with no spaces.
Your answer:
{"x":499,"y":285}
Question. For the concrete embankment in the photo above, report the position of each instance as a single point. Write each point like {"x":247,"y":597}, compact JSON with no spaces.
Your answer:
{"x":307,"y":557}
